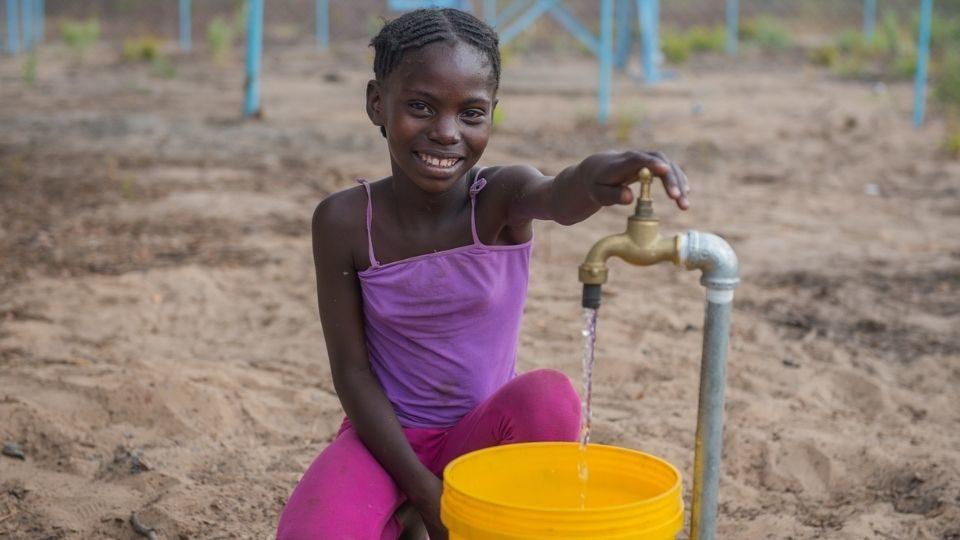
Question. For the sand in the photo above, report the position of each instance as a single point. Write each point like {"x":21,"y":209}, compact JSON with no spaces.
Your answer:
{"x":160,"y":350}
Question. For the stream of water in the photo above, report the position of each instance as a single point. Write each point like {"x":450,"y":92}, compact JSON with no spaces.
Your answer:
{"x":589,"y":333}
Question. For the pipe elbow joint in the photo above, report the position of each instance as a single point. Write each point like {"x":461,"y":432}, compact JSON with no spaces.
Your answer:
{"x":713,"y":256}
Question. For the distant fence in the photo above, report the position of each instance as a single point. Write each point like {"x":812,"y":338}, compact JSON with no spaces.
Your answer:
{"x":858,"y":39}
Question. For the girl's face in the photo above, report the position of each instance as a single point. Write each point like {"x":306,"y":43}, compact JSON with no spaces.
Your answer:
{"x":437,"y":109}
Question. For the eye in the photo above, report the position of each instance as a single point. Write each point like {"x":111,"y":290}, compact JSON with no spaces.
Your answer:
{"x":474,"y":115}
{"x":419,"y":107}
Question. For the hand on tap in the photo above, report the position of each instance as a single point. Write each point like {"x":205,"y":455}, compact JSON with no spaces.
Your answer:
{"x":608,"y":176}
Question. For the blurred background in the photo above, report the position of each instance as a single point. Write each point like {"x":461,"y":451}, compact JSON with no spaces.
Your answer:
{"x":160,"y":351}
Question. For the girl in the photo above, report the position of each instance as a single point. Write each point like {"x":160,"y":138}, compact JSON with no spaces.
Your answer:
{"x":421,"y":280}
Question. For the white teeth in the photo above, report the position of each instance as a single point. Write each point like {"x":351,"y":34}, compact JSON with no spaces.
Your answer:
{"x":438,"y":162}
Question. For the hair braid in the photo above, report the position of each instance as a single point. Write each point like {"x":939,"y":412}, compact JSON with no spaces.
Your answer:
{"x":422,"y":27}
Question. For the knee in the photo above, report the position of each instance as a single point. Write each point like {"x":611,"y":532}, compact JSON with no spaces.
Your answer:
{"x":545,"y":401}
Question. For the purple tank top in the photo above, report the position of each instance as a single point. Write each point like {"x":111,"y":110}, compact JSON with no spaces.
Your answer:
{"x":442,"y":329}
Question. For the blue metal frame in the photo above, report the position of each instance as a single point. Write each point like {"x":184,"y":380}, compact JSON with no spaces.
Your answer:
{"x":13,"y":27}
{"x":26,"y":24}
{"x":38,"y":18}
{"x":623,"y":27}
{"x":733,"y":26}
{"x":649,"y":13}
{"x":923,"y":54}
{"x":869,"y":18}
{"x":520,"y":14}
{"x":323,"y":24}
{"x":251,"y":98}
{"x":186,"y":38}
{"x":404,"y":5}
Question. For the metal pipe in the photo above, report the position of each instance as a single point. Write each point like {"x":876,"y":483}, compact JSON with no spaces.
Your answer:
{"x":251,"y":98}
{"x":13,"y":27}
{"x":733,"y":26}
{"x":647,"y":11}
{"x":186,"y":37}
{"x":718,"y":263}
{"x":923,"y":54}
{"x":323,"y":24}
{"x":869,"y":18}
{"x":26,"y":24}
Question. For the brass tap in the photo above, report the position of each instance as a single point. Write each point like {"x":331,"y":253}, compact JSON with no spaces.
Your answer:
{"x":640,"y":245}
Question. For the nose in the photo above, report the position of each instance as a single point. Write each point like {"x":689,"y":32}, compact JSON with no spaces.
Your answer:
{"x":445,"y":130}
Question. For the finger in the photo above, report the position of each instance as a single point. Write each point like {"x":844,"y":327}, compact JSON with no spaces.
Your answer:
{"x":624,"y":170}
{"x":682,"y":200}
{"x":671,"y":180}
{"x":609,"y":195}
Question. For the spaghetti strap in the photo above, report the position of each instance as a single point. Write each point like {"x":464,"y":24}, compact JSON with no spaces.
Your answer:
{"x":373,"y":258}
{"x":478,"y":183}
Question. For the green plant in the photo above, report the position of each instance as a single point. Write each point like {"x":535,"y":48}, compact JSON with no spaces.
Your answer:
{"x":144,"y":49}
{"x":162,"y":67}
{"x":79,"y":35}
{"x":220,"y":36}
{"x":946,"y":86}
{"x":704,"y":39}
{"x":625,"y":122}
{"x":770,"y":34}
{"x":951,"y":144}
{"x":825,"y":56}
{"x":499,"y":116}
{"x":675,"y":47}
{"x":30,"y":68}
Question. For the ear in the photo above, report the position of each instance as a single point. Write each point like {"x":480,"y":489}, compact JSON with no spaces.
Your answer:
{"x":375,"y":102}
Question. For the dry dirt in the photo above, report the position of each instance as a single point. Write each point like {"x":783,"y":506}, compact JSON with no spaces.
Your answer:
{"x":160,"y":350}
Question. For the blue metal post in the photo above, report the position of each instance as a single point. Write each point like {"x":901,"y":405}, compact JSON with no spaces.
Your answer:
{"x":186,"y":33}
{"x":512,"y":10}
{"x":39,"y":20}
{"x":623,"y":33}
{"x":13,"y":26}
{"x":575,"y":27}
{"x":606,"y":59}
{"x":323,"y":24}
{"x":490,"y":12}
{"x":26,"y":24}
{"x":251,"y":98}
{"x":923,"y":53}
{"x":869,"y":18}
{"x":733,"y":26}
{"x":647,"y":10}
{"x":525,"y":20}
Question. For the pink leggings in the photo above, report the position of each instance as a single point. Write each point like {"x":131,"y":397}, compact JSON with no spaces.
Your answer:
{"x":347,"y":495}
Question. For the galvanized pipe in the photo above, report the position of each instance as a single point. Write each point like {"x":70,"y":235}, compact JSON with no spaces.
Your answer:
{"x":714,"y":257}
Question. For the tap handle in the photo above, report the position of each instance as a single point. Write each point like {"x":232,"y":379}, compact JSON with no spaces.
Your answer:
{"x":644,"y":208}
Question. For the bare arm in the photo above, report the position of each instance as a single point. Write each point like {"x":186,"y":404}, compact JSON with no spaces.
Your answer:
{"x":580,"y":190}
{"x":362,"y":396}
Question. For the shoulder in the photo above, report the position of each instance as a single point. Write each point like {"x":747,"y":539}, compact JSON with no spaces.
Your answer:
{"x":340,"y":212}
{"x":511,"y":175}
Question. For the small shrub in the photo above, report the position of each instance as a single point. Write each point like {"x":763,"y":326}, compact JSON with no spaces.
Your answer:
{"x":498,"y":116}
{"x":951,"y":144}
{"x":220,"y":36}
{"x":30,"y":69}
{"x":79,"y":35}
{"x":675,"y":47}
{"x":946,"y":86}
{"x":162,"y":67}
{"x":703,"y":39}
{"x":144,"y":49}
{"x":770,"y":35}
{"x":825,"y":56}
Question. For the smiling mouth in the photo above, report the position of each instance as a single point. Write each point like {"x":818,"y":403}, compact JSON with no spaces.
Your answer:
{"x":437,"y":162}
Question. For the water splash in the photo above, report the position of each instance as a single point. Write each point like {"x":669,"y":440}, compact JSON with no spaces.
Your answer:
{"x":589,"y":333}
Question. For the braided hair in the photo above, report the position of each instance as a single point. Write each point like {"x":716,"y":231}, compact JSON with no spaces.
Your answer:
{"x":419,"y":28}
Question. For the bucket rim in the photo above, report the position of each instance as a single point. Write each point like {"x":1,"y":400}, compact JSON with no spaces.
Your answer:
{"x":667,"y":493}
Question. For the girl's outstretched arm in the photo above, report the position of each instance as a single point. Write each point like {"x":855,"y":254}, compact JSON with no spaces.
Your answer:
{"x":360,"y":393}
{"x":580,"y":190}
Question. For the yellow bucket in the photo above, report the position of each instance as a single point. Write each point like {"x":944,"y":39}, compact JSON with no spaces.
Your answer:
{"x":533,"y":491}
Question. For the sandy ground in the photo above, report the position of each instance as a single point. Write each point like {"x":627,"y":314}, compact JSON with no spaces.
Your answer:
{"x":160,"y":350}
